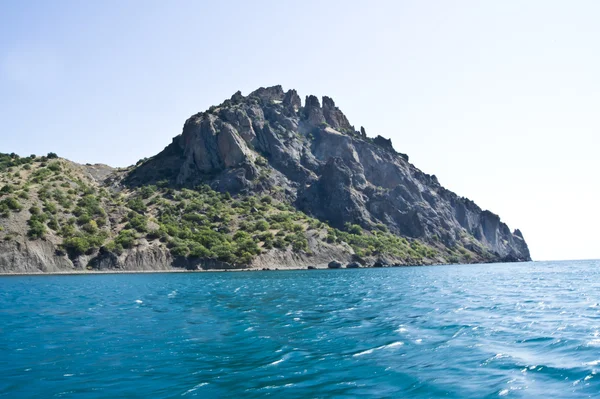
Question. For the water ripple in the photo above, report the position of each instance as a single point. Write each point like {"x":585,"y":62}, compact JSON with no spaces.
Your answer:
{"x":480,"y":331}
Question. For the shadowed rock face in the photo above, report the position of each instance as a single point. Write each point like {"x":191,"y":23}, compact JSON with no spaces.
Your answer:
{"x":313,"y":157}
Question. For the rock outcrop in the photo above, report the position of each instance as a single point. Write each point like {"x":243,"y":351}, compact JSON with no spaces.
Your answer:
{"x":326,"y":169}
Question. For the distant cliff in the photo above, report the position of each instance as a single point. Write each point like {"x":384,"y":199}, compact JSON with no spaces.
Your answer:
{"x":257,"y":181}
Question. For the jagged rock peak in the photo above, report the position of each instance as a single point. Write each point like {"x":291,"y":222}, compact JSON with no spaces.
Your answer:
{"x":383,"y":142}
{"x":334,"y":116}
{"x":237,"y":97}
{"x":329,"y":114}
{"x":312,"y":111}
{"x":292,"y":100}
{"x":273,"y":93}
{"x":328,"y":102}
{"x":312,"y":102}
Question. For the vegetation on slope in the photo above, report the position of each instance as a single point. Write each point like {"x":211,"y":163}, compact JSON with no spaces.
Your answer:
{"x":48,"y":198}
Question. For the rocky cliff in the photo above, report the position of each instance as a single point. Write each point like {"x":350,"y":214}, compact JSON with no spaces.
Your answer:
{"x":326,"y":168}
{"x":257,"y":181}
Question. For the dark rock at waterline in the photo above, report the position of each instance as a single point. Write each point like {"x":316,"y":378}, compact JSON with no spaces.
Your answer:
{"x":311,"y":267}
{"x":334,"y":264}
{"x":359,"y":260}
{"x":353,"y":265}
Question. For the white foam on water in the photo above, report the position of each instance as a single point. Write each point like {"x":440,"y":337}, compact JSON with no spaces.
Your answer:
{"x":363,"y":353}
{"x":172,"y":294}
{"x":368,"y":351}
{"x":503,"y":392}
{"x":139,"y":301}
{"x":194,"y":388}
{"x":393,"y":345}
{"x":594,"y":342}
{"x":68,"y":375}
{"x":276,"y":362}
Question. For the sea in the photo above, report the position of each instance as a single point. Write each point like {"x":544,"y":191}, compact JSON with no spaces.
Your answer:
{"x":521,"y":330}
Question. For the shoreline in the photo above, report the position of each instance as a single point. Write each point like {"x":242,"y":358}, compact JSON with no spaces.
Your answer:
{"x":84,"y":272}
{"x":96,"y":272}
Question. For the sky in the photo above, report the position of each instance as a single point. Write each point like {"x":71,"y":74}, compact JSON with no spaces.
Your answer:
{"x":500,"y":100}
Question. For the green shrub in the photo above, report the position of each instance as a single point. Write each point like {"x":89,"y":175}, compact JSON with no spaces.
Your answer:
{"x":53,"y":224}
{"x":315,"y":224}
{"x":125,"y":238}
{"x":50,"y":207}
{"x":199,"y":251}
{"x":138,"y":222}
{"x":381,"y":227}
{"x":55,"y":167}
{"x":83,"y":219}
{"x":147,"y":191}
{"x":247,"y":245}
{"x":223,"y":252}
{"x":353,"y":228}
{"x":7,"y":189}
{"x":79,"y":244}
{"x":40,"y":175}
{"x":90,"y":227}
{"x":180,"y":250}
{"x":297,"y":228}
{"x":195,"y":218}
{"x":68,"y":230}
{"x":261,"y":225}
{"x":280,"y":243}
{"x":12,"y":204}
{"x":114,"y":247}
{"x":37,"y":229}
{"x":91,"y":205}
{"x":137,"y":205}
{"x":298,"y":241}
{"x":266,"y":199}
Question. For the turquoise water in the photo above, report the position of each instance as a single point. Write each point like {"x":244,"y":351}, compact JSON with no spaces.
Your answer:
{"x":507,"y":330}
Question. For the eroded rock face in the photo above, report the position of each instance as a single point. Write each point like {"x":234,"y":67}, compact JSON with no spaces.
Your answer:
{"x":333,"y":197}
{"x":313,"y":113}
{"x":312,"y":156}
{"x":334,"y":117}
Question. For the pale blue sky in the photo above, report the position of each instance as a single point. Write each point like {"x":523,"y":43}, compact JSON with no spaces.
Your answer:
{"x":499,"y":99}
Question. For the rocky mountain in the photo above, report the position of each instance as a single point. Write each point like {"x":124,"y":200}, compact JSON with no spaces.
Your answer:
{"x":257,"y":181}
